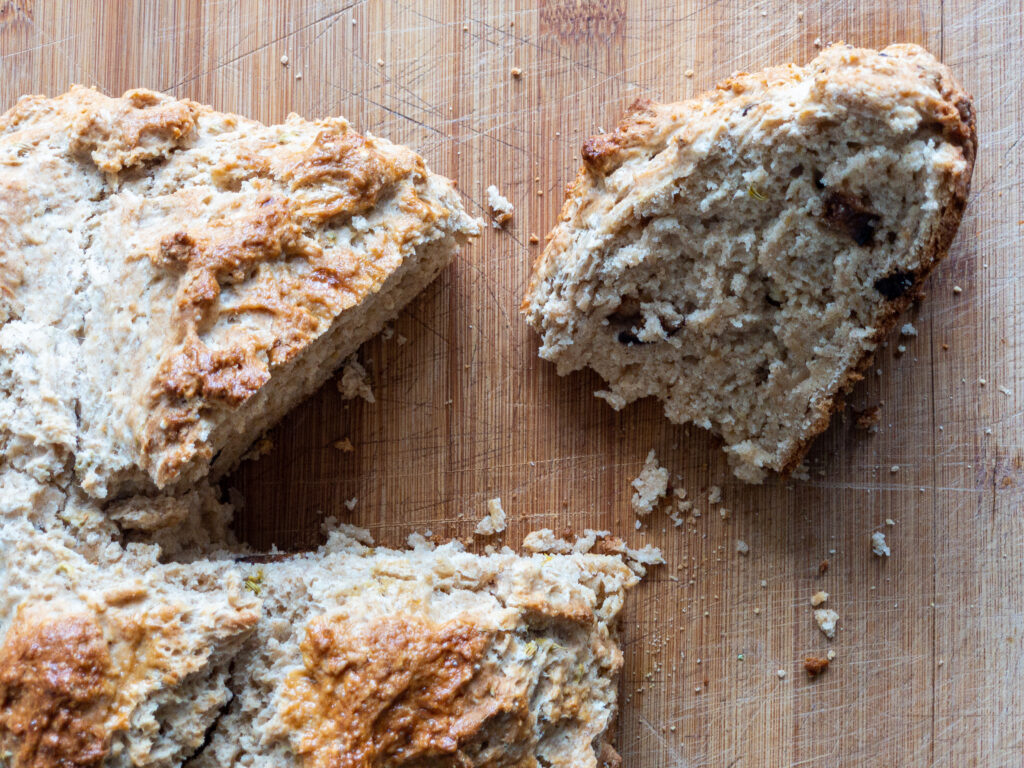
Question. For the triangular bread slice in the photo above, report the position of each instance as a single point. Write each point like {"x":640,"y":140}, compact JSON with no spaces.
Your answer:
{"x":741,"y":255}
{"x":429,"y":656}
{"x":108,"y":656}
{"x":195,"y":274}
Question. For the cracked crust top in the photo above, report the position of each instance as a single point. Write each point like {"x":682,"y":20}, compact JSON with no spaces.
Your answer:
{"x":191,"y":255}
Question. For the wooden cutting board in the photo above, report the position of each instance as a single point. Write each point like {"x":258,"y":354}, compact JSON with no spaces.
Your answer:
{"x":928,"y":667}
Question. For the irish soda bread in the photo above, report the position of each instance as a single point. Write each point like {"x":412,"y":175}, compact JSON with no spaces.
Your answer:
{"x":174,"y":279}
{"x":113,"y":659}
{"x":434,"y":656}
{"x":740,"y":255}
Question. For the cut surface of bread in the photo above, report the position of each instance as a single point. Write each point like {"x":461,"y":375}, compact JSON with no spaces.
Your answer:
{"x":740,"y":256}
{"x":107,"y":656}
{"x":174,"y":279}
{"x":431,"y":656}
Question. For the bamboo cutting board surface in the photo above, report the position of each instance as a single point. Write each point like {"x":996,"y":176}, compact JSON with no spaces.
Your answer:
{"x":929,"y":658}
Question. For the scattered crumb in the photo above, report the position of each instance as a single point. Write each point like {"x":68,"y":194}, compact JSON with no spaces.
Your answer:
{"x":764,"y":583}
{"x":983,"y":382}
{"x":501,"y":209}
{"x":650,"y":485}
{"x":545,"y":540}
{"x":344,"y":445}
{"x":901,"y":349}
{"x":494,"y":522}
{"x":688,"y":73}
{"x":723,"y":512}
{"x":823,"y":567}
{"x":957,"y":289}
{"x":894,"y":468}
{"x":284,"y":61}
{"x":516,"y":72}
{"x":298,"y":75}
{"x":826,"y":619}
{"x":908,"y":329}
{"x":353,"y":382}
{"x":742,"y":547}
{"x":830,"y":655}
{"x":1005,"y":391}
{"x":681,"y":506}
{"x":260,"y":448}
{"x":818,"y":598}
{"x":534,"y":239}
{"x":714,"y":494}
{"x":815,"y":665}
{"x":801,"y":472}
{"x":889,"y":521}
{"x":380,"y":62}
{"x":868,"y":418}
{"x":781,"y":673}
{"x":351,"y":503}
{"x":878,"y":545}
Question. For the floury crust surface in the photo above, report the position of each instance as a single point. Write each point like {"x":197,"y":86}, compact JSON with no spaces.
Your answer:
{"x":433,"y":656}
{"x":740,"y":256}
{"x":174,"y":279}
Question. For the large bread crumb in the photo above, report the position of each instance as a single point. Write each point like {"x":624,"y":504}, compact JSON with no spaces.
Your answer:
{"x":501,"y":209}
{"x":354,"y":381}
{"x":827,"y":619}
{"x":878,"y":545}
{"x":494,"y":522}
{"x":650,"y":486}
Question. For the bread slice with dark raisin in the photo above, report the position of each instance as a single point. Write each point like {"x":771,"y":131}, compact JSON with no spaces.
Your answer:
{"x":741,"y":255}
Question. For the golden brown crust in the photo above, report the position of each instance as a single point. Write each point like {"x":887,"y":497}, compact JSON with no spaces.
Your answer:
{"x":56,"y":689}
{"x":142,"y":126}
{"x":396,"y":691}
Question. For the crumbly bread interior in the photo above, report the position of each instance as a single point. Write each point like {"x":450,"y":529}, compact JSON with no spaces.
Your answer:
{"x":741,"y":255}
{"x":174,"y":279}
{"x":108,"y":656}
{"x":432,"y":656}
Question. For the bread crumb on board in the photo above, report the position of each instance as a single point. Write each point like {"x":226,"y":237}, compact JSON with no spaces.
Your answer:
{"x":344,"y":445}
{"x":868,"y":418}
{"x":499,"y":206}
{"x":494,"y":521}
{"x":354,"y":381}
{"x":878,"y":545}
{"x":816,"y":665}
{"x":818,"y":598}
{"x":827,"y":620}
{"x":742,"y":547}
{"x":714,"y":494}
{"x":908,"y":329}
{"x":650,"y":486}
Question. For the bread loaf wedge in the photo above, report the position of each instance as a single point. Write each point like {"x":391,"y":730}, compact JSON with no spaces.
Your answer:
{"x":182,"y":277}
{"x":109,"y":657}
{"x":431,"y":656}
{"x":741,"y":255}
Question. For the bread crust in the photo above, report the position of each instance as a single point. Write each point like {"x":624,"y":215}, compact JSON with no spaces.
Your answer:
{"x":207,"y":254}
{"x":650,"y":128}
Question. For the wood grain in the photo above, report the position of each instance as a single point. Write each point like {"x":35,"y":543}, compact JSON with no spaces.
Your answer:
{"x":929,"y":658}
